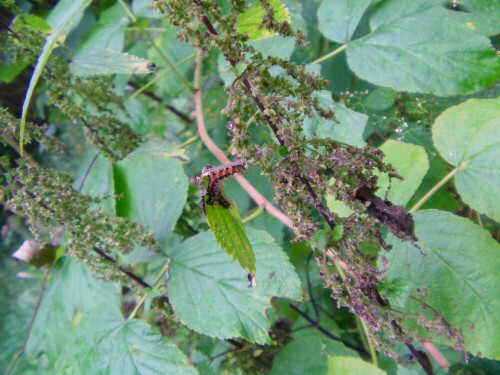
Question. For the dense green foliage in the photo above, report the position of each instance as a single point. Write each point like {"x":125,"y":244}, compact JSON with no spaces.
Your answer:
{"x":371,"y":124}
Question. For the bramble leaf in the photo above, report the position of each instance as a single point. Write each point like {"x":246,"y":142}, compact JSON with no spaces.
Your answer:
{"x":338,"y":365}
{"x":467,"y":136}
{"x":153,"y":188}
{"x":420,"y":46}
{"x":209,"y":291}
{"x":338,"y":19}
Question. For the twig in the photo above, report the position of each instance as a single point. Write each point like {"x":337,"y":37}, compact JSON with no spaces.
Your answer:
{"x":33,"y":317}
{"x":443,"y":181}
{"x":87,"y":172}
{"x":436,"y":354}
{"x":130,"y":274}
{"x":155,"y":283}
{"x":360,"y":350}
{"x":219,"y":154}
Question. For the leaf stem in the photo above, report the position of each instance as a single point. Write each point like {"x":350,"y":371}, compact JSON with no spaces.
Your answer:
{"x":253,"y":215}
{"x":194,"y":138}
{"x":148,"y":36}
{"x":331,"y":54}
{"x":159,"y":276}
{"x":443,"y":181}
{"x":160,"y":75}
{"x":257,"y":197}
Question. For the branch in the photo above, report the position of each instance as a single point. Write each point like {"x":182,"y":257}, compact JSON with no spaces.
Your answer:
{"x":257,"y":197}
{"x":315,"y":324}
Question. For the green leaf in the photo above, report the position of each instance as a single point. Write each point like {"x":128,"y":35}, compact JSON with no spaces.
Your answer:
{"x":34,"y":22}
{"x":249,"y":22}
{"x":109,"y":345}
{"x":459,"y":272}
{"x":301,"y":356}
{"x":8,"y":72}
{"x":483,"y":15}
{"x":231,"y":235}
{"x":380,"y":99}
{"x":62,"y":19}
{"x":351,"y":366}
{"x":410,"y":162}
{"x":141,"y":9}
{"x":107,"y":61}
{"x":420,"y":46}
{"x":209,"y":291}
{"x":98,"y":180}
{"x":349,"y":129}
{"x":467,"y":136}
{"x":153,"y":187}
{"x":308,"y":353}
{"x":108,"y":33}
{"x":71,"y":294}
{"x":338,"y":19}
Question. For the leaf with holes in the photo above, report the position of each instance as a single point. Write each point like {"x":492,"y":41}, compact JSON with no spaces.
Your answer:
{"x":458,"y":271}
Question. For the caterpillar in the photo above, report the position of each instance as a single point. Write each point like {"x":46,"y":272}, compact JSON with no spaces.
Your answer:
{"x":215,"y":175}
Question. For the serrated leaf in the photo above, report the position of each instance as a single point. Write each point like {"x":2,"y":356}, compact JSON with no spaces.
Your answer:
{"x":249,"y":22}
{"x":209,"y":291}
{"x":483,"y":14}
{"x":349,"y":129}
{"x":141,"y":9}
{"x":108,"y":33}
{"x":459,"y":272}
{"x":153,"y":187}
{"x":301,"y":356}
{"x":410,"y":162}
{"x":308,"y":353}
{"x":420,"y":46}
{"x":338,"y":19}
{"x":231,"y":235}
{"x":339,"y":365}
{"x":467,"y":136}
{"x":62,"y":19}
{"x":71,"y":294}
{"x":109,"y":345}
{"x":98,"y":181}
{"x":107,"y":61}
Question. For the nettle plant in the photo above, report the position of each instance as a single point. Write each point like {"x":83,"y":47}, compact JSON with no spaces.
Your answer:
{"x":393,"y":285}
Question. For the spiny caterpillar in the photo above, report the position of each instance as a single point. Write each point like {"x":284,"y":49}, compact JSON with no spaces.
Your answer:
{"x":214,"y":176}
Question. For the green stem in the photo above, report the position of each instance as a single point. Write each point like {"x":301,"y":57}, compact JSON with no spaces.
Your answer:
{"x":145,"y":296}
{"x":148,"y":36}
{"x":252,"y":216}
{"x":159,"y":76}
{"x":437,"y":186}
{"x":194,"y":138}
{"x":331,"y":54}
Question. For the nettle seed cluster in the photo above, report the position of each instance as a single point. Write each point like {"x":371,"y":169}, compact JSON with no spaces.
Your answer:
{"x":279,"y":94}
